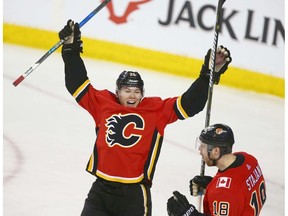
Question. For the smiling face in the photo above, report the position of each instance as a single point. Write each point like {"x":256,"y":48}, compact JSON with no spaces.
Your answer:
{"x":129,"y":96}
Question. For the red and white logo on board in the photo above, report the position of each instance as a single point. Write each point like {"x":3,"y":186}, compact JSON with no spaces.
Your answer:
{"x":132,"y":6}
{"x":224,"y":182}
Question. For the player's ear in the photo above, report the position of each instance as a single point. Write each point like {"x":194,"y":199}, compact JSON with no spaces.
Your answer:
{"x":217,"y":150}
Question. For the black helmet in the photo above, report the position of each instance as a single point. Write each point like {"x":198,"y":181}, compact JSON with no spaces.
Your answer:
{"x":130,"y":79}
{"x":217,"y":135}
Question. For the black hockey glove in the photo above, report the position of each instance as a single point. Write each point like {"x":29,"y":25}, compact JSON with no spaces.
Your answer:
{"x":198,"y":184}
{"x":178,"y":205}
{"x":223,"y":59}
{"x":71,"y":35}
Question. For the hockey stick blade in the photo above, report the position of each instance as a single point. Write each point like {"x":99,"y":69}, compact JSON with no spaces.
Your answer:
{"x":57,"y":45}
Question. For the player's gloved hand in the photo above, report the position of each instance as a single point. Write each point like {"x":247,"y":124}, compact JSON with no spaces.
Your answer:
{"x":198,"y":185}
{"x":71,"y":35}
{"x":178,"y":205}
{"x":223,"y":59}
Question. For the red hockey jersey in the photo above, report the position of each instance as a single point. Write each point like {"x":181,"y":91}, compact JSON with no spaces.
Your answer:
{"x":239,"y":190}
{"x":128,"y":139}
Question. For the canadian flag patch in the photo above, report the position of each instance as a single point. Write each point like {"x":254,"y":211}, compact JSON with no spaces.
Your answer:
{"x":224,"y":182}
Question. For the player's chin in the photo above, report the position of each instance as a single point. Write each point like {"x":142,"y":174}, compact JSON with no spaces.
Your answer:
{"x":208,"y":162}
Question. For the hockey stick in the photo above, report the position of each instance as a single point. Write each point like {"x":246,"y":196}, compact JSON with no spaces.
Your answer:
{"x":57,"y":45}
{"x":210,"y":89}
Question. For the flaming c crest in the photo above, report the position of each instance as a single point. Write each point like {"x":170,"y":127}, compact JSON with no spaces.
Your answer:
{"x":124,"y":130}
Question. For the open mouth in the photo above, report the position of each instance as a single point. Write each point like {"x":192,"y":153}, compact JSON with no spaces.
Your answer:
{"x":131,"y":103}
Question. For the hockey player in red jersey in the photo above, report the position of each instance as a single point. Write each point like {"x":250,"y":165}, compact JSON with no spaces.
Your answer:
{"x":237,"y":189}
{"x":129,"y":128}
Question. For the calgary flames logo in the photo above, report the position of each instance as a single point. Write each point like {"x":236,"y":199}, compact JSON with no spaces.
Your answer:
{"x":132,"y":6}
{"x":124,"y":130}
{"x":219,"y":131}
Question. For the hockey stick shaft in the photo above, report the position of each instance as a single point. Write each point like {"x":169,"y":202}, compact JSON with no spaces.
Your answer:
{"x":57,"y":45}
{"x":210,"y":89}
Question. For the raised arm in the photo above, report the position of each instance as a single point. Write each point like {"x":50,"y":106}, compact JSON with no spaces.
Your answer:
{"x":76,"y":79}
{"x":194,"y":99}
